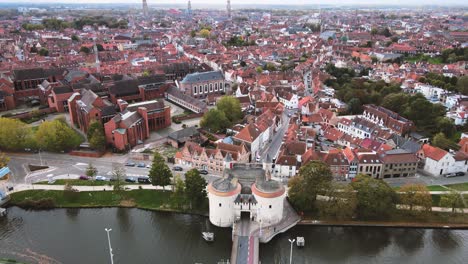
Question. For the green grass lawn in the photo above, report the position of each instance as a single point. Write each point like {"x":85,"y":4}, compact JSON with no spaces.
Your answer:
{"x":146,"y":199}
{"x":459,"y":186}
{"x":436,"y":188}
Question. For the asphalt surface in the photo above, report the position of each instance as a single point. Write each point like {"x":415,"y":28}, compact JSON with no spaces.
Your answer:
{"x":275,"y":144}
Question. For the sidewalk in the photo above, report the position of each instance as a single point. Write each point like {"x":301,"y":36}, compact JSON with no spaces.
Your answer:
{"x":24,"y":187}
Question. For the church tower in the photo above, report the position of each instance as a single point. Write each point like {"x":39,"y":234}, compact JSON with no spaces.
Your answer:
{"x":145,"y":8}
{"x":229,"y":8}
{"x":189,"y":8}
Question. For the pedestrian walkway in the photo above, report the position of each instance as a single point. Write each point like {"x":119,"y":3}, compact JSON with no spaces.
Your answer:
{"x":24,"y":187}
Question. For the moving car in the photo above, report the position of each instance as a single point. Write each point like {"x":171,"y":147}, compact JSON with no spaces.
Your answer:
{"x":101,"y":178}
{"x":141,"y":165}
{"x":84,"y":177}
{"x":204,"y":172}
{"x":177,"y":168}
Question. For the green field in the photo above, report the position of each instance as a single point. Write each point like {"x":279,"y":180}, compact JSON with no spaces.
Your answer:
{"x":459,"y":186}
{"x":436,"y":188}
{"x":145,"y":199}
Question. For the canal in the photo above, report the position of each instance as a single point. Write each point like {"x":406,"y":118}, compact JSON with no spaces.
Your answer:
{"x":77,"y":236}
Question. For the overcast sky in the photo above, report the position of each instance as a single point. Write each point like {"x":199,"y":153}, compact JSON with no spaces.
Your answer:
{"x":234,"y":2}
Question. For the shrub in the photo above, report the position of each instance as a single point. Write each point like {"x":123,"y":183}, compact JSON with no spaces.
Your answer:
{"x":41,"y":204}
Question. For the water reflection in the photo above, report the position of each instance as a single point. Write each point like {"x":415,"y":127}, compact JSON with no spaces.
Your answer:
{"x":444,"y":239}
{"x":72,"y":213}
{"x":409,"y":240}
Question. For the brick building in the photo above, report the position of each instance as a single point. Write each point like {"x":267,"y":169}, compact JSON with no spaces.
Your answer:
{"x":384,"y":117}
{"x":87,"y":106}
{"x":134,"y":123}
{"x":58,"y":98}
{"x":7,"y":99}
{"x":26,"y":82}
{"x":201,"y":84}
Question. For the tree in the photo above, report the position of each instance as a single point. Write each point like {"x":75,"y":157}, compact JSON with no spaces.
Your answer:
{"x":355,"y":106}
{"x":96,"y":136}
{"x":75,"y":38}
{"x":462,"y":85}
{"x":118,"y":173}
{"x":3,"y":160}
{"x":375,"y":198}
{"x":441,"y":141}
{"x":453,"y":199}
{"x":91,"y":171}
{"x":338,"y":203}
{"x":231,"y":107}
{"x":85,"y":49}
{"x":178,"y":194}
{"x":204,"y":33}
{"x":195,"y":188}
{"x":314,"y":178}
{"x":160,"y":173}
{"x":395,"y":102}
{"x":418,"y":195}
{"x":57,"y":136}
{"x":99,"y":47}
{"x":15,"y":135}
{"x":445,"y":125}
{"x":259,"y":69}
{"x":43,"y":52}
{"x":243,"y":64}
{"x":215,"y":120}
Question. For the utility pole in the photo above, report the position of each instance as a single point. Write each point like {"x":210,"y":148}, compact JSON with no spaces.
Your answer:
{"x":110,"y":247}
{"x":290,"y":255}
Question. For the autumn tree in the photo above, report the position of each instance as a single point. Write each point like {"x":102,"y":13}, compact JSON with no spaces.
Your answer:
{"x":338,"y":203}
{"x":314,"y":178}
{"x":195,"y":188}
{"x":178,"y":193}
{"x":118,"y":174}
{"x":453,"y":199}
{"x":375,"y":198}
{"x":160,"y":173}
{"x":3,"y":160}
{"x":416,"y":195}
{"x":57,"y":136}
{"x":15,"y":135}
{"x":204,"y":33}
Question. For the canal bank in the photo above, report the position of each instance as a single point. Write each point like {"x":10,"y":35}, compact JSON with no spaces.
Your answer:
{"x":384,"y":224}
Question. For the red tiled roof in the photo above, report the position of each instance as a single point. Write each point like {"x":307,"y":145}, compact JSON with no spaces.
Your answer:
{"x":433,"y":152}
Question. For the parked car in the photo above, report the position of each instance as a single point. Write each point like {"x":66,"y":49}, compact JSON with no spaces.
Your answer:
{"x":178,"y":168}
{"x":101,"y":178}
{"x":460,"y":173}
{"x":130,"y":179}
{"x":84,"y":177}
{"x":449,"y":175}
{"x":148,"y":166}
{"x":141,"y":165}
{"x":144,"y":180}
{"x":130,"y":164}
{"x":204,"y":172}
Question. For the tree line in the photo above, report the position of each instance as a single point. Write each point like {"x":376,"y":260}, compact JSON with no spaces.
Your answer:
{"x":55,"y":135}
{"x":313,"y":192}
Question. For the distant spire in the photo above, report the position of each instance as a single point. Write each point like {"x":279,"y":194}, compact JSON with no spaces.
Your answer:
{"x":96,"y":53}
{"x":189,"y":8}
{"x":229,"y":8}
{"x":145,"y":8}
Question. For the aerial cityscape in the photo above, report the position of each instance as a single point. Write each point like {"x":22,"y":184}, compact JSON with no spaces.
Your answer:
{"x":233,"y":132}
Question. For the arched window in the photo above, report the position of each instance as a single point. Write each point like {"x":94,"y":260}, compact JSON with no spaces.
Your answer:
{"x":206,"y":88}
{"x":200,"y":89}
{"x":211,"y":87}
{"x":195,"y":90}
{"x":216,"y":87}
{"x":221,"y":88}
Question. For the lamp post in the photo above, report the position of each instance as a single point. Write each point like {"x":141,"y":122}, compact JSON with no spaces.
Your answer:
{"x":290,"y":254}
{"x":110,"y":247}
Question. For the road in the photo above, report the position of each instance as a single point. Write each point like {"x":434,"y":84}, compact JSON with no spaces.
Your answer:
{"x":275,"y":144}
{"x":63,"y":166}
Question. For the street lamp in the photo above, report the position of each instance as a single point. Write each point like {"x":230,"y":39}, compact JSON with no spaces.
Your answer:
{"x":290,"y":255}
{"x":110,"y":247}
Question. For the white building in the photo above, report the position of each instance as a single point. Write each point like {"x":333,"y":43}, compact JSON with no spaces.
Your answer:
{"x":438,"y":162}
{"x":261,"y":200}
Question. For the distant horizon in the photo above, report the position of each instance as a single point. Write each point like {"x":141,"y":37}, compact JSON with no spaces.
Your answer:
{"x":249,"y":3}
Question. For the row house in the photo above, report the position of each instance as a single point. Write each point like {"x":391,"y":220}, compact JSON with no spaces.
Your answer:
{"x":289,"y":159}
{"x":258,"y":134}
{"x":399,"y":163}
{"x":134,"y":123}
{"x":192,"y":154}
{"x":201,"y":84}
{"x":389,"y":119}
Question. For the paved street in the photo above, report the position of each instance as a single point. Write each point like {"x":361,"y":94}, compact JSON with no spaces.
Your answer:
{"x":64,"y":166}
{"x":275,"y":144}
